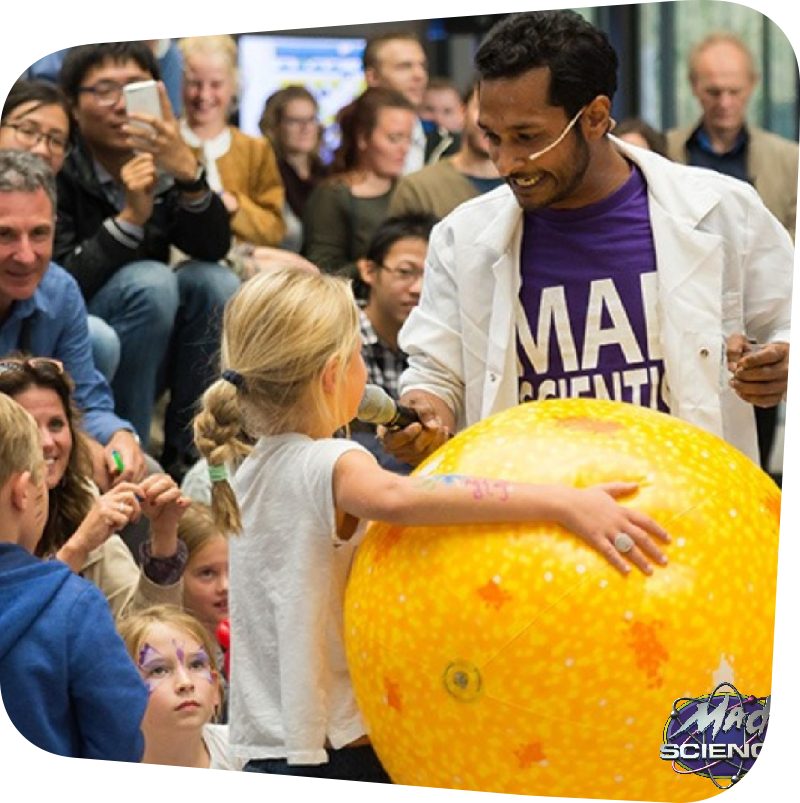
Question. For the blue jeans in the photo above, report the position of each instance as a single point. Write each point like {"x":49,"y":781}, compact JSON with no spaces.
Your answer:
{"x":168,"y":324}
{"x":347,"y":764}
{"x":105,"y":347}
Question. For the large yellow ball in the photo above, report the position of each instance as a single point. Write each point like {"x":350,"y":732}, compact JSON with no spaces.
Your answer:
{"x":514,"y":659}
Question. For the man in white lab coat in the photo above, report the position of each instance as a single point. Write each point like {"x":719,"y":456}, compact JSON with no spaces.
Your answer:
{"x":600,"y":270}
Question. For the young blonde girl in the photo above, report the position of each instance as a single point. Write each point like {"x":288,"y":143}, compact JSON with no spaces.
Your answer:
{"x":205,"y":579}
{"x":175,"y":657}
{"x":292,"y":375}
{"x":241,"y":168}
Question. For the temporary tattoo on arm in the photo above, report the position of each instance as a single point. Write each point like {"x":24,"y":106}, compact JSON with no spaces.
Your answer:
{"x":481,"y":488}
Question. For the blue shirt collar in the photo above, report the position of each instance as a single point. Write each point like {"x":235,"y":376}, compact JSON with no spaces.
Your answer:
{"x":38,"y":301}
{"x":704,"y":141}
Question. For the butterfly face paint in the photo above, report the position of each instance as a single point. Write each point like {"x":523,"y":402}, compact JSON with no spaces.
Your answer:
{"x":152,"y":666}
{"x":184,"y":688}
{"x":156,"y":667}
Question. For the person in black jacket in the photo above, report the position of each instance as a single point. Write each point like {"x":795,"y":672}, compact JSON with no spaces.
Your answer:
{"x":128,"y":195}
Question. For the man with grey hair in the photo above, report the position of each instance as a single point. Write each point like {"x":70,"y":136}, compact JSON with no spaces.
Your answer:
{"x":723,"y":76}
{"x":42,"y":311}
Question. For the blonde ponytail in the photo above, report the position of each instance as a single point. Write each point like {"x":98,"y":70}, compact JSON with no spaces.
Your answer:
{"x":221,"y":438}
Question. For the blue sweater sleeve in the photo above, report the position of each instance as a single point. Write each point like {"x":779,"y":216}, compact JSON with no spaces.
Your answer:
{"x":92,"y":393}
{"x":108,"y":695}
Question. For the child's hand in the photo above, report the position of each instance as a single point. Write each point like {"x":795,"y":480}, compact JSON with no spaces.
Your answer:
{"x":595,"y":515}
{"x":164,"y":504}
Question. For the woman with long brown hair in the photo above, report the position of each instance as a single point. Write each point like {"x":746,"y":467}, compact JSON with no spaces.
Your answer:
{"x":82,"y":524}
{"x":345,"y":209}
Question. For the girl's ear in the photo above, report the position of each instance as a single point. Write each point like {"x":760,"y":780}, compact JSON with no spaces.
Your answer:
{"x":330,"y":374}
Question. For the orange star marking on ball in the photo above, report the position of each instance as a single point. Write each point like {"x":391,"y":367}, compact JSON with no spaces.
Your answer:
{"x":393,"y":697}
{"x":650,"y":652}
{"x":529,"y":754}
{"x":493,"y":595}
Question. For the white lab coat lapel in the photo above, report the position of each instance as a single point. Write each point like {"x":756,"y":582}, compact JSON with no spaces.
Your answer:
{"x":691,"y":296}
{"x":502,"y":237}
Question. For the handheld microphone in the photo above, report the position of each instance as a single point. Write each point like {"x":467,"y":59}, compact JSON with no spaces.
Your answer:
{"x":378,"y":407}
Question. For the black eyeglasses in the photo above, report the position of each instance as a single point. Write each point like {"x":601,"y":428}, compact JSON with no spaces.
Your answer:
{"x":403,"y":274}
{"x":29,"y":135}
{"x":105,"y":93}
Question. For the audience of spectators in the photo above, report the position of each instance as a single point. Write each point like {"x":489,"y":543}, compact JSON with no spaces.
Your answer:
{"x":126,"y":196}
{"x":165,"y":50}
{"x":82,"y":524}
{"x":396,"y":60}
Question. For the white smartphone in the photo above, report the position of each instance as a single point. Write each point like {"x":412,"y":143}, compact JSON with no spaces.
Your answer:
{"x":142,"y":96}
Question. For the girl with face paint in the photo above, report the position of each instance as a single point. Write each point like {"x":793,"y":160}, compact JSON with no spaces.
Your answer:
{"x":175,"y":656}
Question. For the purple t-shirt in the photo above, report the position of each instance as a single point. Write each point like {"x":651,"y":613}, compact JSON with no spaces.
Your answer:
{"x":588,"y":324}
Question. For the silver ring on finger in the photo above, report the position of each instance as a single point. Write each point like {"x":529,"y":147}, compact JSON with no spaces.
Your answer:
{"x":121,"y":507}
{"x":623,"y":543}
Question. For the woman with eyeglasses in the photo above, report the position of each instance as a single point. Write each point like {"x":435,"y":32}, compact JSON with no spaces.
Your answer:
{"x":290,"y":121}
{"x":82,"y":524}
{"x":35,"y":118}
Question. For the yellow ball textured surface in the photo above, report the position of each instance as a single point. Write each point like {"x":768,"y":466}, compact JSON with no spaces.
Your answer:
{"x":513,"y":658}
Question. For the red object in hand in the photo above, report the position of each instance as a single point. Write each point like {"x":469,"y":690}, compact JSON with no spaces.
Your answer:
{"x":223,"y":634}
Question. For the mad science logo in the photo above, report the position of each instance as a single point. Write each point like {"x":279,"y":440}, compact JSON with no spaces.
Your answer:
{"x":718,"y":736}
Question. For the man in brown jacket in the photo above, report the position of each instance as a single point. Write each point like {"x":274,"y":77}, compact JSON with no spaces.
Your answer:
{"x":723,"y":76}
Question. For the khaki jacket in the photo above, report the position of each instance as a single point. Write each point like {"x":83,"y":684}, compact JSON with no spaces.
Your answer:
{"x":772,"y":163}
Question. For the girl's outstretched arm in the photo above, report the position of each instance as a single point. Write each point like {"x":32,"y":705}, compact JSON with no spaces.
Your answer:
{"x":364,"y":490}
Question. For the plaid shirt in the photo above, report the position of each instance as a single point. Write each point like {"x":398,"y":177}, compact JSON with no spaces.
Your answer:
{"x":384,"y":365}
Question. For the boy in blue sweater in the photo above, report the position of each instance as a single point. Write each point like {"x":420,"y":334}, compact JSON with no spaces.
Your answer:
{"x":67,"y":682}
